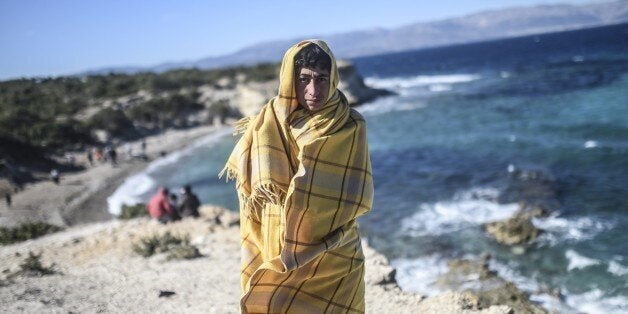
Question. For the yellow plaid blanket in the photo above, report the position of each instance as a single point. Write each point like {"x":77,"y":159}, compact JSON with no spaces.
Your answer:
{"x":302,"y":180}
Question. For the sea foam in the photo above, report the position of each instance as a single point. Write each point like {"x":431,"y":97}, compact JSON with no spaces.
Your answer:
{"x":472,"y":207}
{"x":559,"y":229}
{"x":388,"y":104}
{"x":420,"y":274}
{"x":435,"y":82}
{"x":617,"y":269}
{"x":594,"y":302}
{"x":578,"y":261}
{"x":130,"y":192}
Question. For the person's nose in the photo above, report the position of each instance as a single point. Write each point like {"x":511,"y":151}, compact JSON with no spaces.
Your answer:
{"x":312,"y":89}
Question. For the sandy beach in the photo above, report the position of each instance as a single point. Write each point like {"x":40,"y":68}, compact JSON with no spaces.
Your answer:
{"x":81,"y":197}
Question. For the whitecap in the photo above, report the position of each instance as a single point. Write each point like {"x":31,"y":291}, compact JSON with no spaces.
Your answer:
{"x":616,"y":268}
{"x":595,"y":301}
{"x":436,"y":88}
{"x":472,"y":207}
{"x":389,"y":104}
{"x":558,"y":229}
{"x":590,"y":302}
{"x":577,"y":261}
{"x":590,"y":144}
{"x":577,"y":58}
{"x":420,"y":274}
{"x":397,"y":83}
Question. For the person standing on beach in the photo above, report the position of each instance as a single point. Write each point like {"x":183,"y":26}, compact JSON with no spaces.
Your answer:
{"x":303,"y":176}
{"x":54,"y":176}
{"x":90,"y":157}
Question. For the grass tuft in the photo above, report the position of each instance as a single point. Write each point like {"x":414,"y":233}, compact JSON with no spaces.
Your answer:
{"x":134,"y":211}
{"x":178,"y":247}
{"x":26,"y":231}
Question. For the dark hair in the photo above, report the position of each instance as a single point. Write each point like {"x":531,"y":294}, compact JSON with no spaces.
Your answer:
{"x":312,"y":56}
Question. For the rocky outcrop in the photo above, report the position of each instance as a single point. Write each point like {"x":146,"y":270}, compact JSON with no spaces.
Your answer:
{"x":484,"y":287}
{"x":536,"y":193}
{"x":352,"y":85}
{"x":515,"y":230}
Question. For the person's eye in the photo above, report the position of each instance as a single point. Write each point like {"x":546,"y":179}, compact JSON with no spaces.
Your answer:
{"x":304,"y":80}
{"x":321,"y":79}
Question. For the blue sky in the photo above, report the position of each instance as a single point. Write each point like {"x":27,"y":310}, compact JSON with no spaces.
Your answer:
{"x":46,"y":37}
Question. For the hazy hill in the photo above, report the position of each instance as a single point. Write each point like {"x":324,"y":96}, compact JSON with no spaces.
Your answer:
{"x":486,"y":25}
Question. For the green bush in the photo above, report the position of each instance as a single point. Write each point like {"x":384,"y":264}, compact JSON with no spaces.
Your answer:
{"x":41,"y":111}
{"x":179,"y":247}
{"x":26,"y":231}
{"x":183,"y":252}
{"x":222,"y":109}
{"x":113,"y":121}
{"x":163,"y":110}
{"x":133,"y":211}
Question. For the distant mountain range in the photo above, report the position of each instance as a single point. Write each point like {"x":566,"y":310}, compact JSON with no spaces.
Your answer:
{"x":486,"y":25}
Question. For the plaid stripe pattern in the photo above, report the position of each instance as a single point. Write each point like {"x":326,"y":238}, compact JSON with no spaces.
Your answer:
{"x":302,"y":179}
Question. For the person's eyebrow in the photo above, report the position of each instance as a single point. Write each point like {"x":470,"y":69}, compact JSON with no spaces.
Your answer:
{"x":315,"y":76}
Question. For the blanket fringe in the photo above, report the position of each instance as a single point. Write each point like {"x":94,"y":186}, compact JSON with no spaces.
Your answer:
{"x":242,"y":124}
{"x":262,"y":194}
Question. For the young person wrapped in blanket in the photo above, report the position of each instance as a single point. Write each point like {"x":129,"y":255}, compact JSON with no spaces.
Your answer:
{"x":303,"y":177}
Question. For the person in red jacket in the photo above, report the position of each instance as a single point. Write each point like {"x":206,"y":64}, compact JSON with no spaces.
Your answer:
{"x":159,"y":208}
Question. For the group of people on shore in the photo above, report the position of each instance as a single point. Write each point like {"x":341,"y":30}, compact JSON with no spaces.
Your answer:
{"x":110,"y":154}
{"x":168,"y":207}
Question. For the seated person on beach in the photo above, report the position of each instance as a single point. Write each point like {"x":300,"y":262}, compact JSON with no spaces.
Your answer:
{"x":303,"y":176}
{"x":189,"y":204}
{"x":160,"y":208}
{"x":173,"y":200}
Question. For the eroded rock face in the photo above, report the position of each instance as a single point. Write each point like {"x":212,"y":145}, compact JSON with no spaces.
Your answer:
{"x":352,"y":85}
{"x":482,"y":285}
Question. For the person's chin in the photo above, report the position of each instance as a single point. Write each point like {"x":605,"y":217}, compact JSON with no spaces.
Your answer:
{"x":314,"y":106}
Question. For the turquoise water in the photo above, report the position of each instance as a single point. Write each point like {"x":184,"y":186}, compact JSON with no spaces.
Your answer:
{"x":442,"y":146}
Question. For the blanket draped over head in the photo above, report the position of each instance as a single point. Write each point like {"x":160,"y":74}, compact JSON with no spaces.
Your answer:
{"x":302,"y":180}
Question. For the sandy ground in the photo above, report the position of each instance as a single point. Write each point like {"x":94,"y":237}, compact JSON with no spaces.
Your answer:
{"x":99,"y":272}
{"x":82,"y":196}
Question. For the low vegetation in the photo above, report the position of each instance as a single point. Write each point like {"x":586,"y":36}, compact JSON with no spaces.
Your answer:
{"x":51,"y":112}
{"x":177,"y":247}
{"x":32,"y":267}
{"x":133,"y":211}
{"x":26,"y":231}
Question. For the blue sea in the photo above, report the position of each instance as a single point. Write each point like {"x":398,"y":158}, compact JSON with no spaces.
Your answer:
{"x":444,"y":148}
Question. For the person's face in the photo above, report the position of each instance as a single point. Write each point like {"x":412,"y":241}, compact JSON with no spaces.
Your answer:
{"x":312,"y":87}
